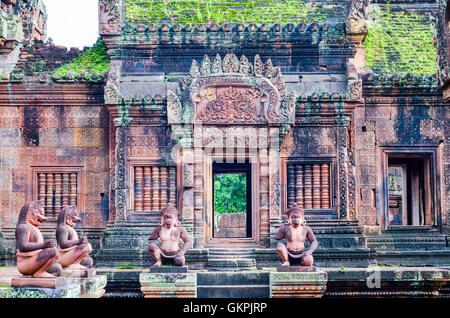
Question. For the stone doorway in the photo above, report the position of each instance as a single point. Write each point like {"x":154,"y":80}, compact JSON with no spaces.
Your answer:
{"x":232,"y":200}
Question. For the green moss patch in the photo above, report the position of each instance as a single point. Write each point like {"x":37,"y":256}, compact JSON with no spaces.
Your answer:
{"x":93,"y":60}
{"x":400,"y":42}
{"x":232,"y":11}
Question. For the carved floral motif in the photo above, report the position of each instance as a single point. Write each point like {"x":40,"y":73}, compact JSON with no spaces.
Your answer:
{"x":232,"y":91}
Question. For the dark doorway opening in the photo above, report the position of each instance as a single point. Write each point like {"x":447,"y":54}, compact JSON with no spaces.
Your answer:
{"x":410,"y":190}
{"x":232,"y":200}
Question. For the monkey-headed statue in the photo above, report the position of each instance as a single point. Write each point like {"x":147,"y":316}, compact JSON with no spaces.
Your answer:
{"x":74,"y":251}
{"x":35,"y":257}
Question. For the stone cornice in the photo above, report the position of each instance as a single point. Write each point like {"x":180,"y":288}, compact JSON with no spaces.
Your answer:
{"x":67,"y":94}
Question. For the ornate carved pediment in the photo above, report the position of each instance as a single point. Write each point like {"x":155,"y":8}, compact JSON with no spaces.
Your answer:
{"x":232,"y":91}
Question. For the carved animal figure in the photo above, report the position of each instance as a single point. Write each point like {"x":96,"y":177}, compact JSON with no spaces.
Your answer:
{"x":73,"y":251}
{"x":170,"y":233}
{"x":35,"y":256}
{"x":295,"y":233}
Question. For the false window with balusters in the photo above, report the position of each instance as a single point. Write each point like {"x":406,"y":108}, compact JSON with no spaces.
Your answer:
{"x":154,"y":186}
{"x":57,"y":188}
{"x":309,"y":185}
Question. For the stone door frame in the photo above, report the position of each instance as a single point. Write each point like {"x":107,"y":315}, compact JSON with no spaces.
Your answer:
{"x":208,"y":197}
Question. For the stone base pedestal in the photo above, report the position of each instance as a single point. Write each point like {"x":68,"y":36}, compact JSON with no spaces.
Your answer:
{"x":298,"y":284}
{"x":168,"y":285}
{"x":68,"y":291}
{"x":89,"y":273}
{"x":168,"y":269}
{"x":296,"y":269}
{"x":90,"y":287}
{"x":29,"y":282}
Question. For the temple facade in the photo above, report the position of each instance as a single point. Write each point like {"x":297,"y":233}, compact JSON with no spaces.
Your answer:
{"x":320,"y":113}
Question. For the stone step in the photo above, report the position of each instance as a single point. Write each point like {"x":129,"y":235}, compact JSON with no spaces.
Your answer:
{"x":232,"y":278}
{"x":223,"y":255}
{"x":231,"y":264}
{"x":233,"y":292}
{"x":233,"y":285}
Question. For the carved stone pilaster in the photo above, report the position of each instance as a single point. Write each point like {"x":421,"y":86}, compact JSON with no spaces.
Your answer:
{"x":342,"y":172}
{"x":121,"y":173}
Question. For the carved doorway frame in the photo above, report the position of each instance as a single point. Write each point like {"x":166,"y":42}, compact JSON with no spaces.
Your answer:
{"x":253,"y":159}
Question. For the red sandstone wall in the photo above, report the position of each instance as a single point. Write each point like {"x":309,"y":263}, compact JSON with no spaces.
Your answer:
{"x":59,"y":136}
{"x":385,"y":122}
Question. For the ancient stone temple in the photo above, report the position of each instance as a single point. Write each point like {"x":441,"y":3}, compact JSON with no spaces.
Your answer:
{"x":337,"y":106}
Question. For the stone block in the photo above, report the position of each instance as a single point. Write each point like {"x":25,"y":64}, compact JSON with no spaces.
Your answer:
{"x":168,"y":285}
{"x":89,"y":273}
{"x":92,"y":287}
{"x":24,"y":281}
{"x":68,"y":291}
{"x":298,"y":284}
{"x":168,"y":269}
{"x":296,"y":269}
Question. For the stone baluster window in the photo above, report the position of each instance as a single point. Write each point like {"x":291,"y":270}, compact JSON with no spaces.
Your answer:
{"x":57,"y":190}
{"x":154,"y":187}
{"x":308,"y":185}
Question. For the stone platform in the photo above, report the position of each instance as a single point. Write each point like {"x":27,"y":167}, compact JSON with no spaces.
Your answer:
{"x":295,"y":284}
{"x":168,"y":285}
{"x":29,"y":287}
{"x":91,"y":284}
{"x":92,"y":287}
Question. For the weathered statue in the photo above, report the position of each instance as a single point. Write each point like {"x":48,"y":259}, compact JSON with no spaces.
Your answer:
{"x":357,"y":17}
{"x":169,"y":233}
{"x":73,"y":251}
{"x":35,"y":256}
{"x":295,"y":233}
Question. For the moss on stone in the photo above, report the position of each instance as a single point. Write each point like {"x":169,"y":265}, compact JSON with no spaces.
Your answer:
{"x":219,"y":11}
{"x":400,"y":42}
{"x":93,"y":60}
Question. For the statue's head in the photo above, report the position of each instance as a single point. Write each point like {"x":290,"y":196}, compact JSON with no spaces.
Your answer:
{"x":32,"y":213}
{"x":69,"y":216}
{"x":169,"y":216}
{"x":296,"y":216}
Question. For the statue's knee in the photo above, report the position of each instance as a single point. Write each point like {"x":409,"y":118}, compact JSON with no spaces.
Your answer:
{"x":280,"y":247}
{"x":88,"y":262}
{"x":179,"y":260}
{"x":57,"y":269}
{"x":308,"y":260}
{"x":152,"y":247}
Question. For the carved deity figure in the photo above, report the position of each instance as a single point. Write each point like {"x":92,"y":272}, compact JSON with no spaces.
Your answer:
{"x":357,"y":17}
{"x":35,"y":256}
{"x":296,"y":232}
{"x":74,"y":251}
{"x":169,"y":232}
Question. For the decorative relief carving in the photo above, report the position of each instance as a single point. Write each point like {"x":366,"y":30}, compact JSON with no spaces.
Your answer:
{"x":357,"y":17}
{"x":110,"y":17}
{"x":232,"y":91}
{"x":112,"y":92}
{"x":229,"y":104}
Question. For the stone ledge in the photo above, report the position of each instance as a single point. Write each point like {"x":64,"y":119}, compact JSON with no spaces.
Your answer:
{"x":156,"y":285}
{"x":29,"y":282}
{"x":298,"y":284}
{"x":93,"y":287}
{"x":69,"y":291}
